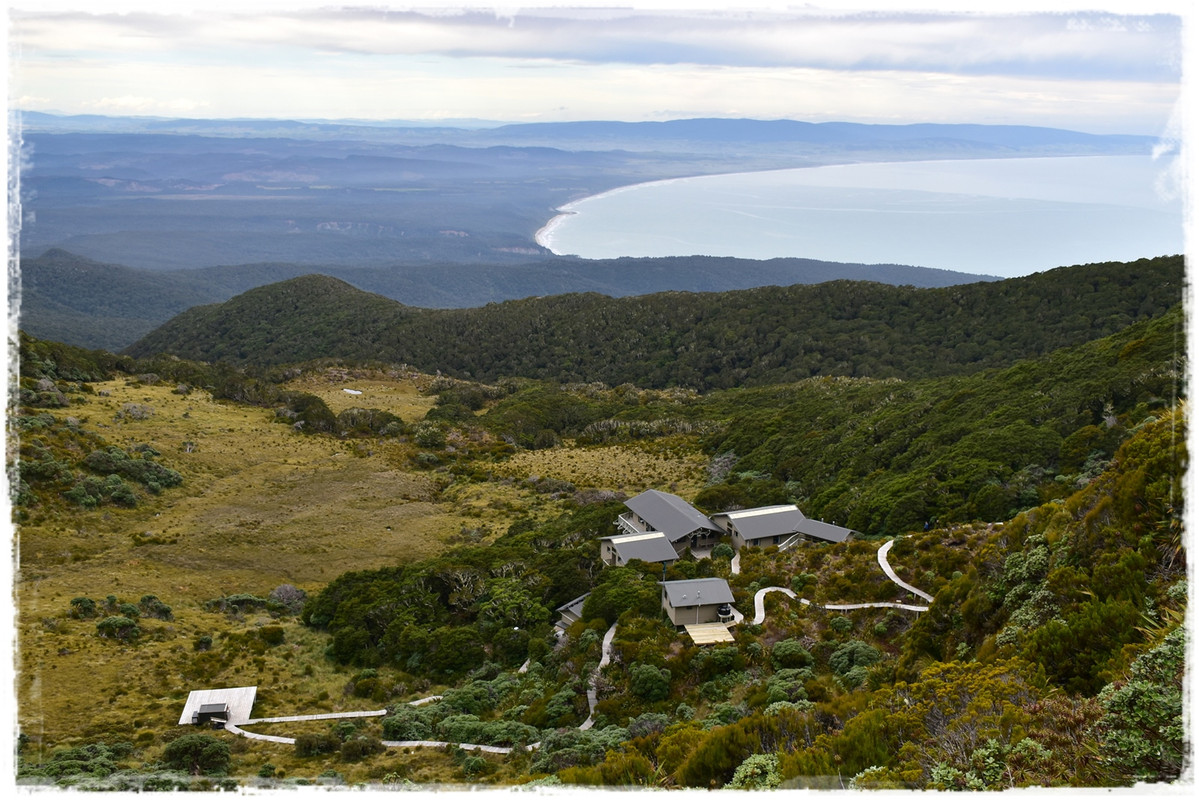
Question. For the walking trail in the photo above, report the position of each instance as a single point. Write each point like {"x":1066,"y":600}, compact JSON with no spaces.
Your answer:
{"x":605,"y":659}
{"x":760,"y":596}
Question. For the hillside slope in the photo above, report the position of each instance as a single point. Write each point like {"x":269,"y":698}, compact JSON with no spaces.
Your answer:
{"x":705,"y":341}
{"x":68,"y":298}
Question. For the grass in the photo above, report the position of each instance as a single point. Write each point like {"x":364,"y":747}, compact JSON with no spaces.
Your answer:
{"x":402,"y":393}
{"x":261,"y":505}
{"x":628,"y":468}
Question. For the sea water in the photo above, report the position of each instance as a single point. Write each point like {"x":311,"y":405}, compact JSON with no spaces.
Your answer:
{"x":1001,"y":217}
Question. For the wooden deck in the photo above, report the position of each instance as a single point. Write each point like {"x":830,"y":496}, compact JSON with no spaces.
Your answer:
{"x":240,"y":701}
{"x":709,"y":633}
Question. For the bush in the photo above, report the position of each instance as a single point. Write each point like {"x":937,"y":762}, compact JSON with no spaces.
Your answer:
{"x":83,"y":608}
{"x":151,"y":606}
{"x":361,"y":747}
{"x":197,"y":754}
{"x":789,"y":653}
{"x":723,"y":550}
{"x":288,"y":598}
{"x":407,"y":723}
{"x":315,"y":744}
{"x":851,"y":654}
{"x":271,"y":634}
{"x":122,"y":628}
{"x":649,"y":683}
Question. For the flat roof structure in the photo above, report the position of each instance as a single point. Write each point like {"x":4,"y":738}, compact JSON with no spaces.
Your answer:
{"x":670,"y":514}
{"x":709,"y":633}
{"x":653,"y":547}
{"x":240,"y":701}
{"x":697,"y":592}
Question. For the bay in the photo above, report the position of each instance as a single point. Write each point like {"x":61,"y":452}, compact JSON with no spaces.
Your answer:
{"x":1002,"y":217}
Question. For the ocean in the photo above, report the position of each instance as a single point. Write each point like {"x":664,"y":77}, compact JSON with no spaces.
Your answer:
{"x":1003,"y":217}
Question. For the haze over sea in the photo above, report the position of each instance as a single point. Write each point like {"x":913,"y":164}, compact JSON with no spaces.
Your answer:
{"x":1002,"y":217}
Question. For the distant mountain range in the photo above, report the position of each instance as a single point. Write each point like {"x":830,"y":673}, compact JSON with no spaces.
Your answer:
{"x":604,"y":135}
{"x":704,"y":341}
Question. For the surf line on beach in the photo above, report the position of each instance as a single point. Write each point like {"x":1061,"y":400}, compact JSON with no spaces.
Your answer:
{"x":545,"y":235}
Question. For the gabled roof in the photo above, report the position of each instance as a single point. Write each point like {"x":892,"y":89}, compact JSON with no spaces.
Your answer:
{"x":653,"y":547}
{"x":824,"y":530}
{"x":697,"y":592}
{"x":670,"y":514}
{"x":764,"y":522}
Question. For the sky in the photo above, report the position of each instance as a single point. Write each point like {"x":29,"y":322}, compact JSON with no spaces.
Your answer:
{"x":1054,"y":63}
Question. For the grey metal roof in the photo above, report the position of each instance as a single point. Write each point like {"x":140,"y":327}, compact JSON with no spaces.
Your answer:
{"x":762,"y":523}
{"x":669,"y":514}
{"x":698,"y":592}
{"x":652,"y":547}
{"x":824,"y":530}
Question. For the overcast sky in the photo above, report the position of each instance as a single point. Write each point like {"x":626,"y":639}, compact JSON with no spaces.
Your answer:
{"x":1108,"y":71}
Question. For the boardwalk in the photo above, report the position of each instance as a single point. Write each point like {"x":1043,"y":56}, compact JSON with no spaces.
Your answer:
{"x":760,"y":597}
{"x":882,"y":562}
{"x":236,"y":726}
{"x":605,"y":659}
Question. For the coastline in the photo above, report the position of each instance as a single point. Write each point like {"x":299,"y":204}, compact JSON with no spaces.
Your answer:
{"x":821,"y":215}
{"x":545,"y":234}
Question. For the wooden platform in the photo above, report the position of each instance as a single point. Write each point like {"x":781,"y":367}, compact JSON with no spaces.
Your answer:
{"x":709,"y":633}
{"x":240,"y":701}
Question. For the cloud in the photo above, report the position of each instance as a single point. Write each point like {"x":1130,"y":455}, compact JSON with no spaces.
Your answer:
{"x":1080,"y":45}
{"x":132,"y":104}
{"x":1089,"y":71}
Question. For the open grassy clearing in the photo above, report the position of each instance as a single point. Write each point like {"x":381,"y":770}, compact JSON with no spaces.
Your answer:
{"x":629,"y":468}
{"x":402,"y":393}
{"x":261,"y":505}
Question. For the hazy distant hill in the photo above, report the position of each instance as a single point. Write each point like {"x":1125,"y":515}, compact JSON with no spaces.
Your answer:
{"x":75,"y":300}
{"x":611,"y":134}
{"x":719,"y":340}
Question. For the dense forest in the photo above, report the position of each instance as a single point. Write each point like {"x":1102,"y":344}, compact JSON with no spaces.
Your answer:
{"x":68,"y":298}
{"x":1022,"y":442}
{"x":703,"y":341}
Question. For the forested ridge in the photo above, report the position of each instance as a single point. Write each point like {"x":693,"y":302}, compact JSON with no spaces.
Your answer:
{"x":68,"y":298}
{"x":703,"y":341}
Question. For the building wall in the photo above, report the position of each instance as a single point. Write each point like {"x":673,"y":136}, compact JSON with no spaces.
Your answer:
{"x":608,"y":554}
{"x":688,"y":616}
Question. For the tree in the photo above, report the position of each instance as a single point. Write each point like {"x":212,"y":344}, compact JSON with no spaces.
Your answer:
{"x":197,"y":754}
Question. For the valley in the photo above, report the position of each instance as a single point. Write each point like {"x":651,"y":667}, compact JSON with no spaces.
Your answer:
{"x":352,"y":536}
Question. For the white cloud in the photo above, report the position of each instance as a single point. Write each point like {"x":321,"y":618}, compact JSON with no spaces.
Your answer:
{"x":1091,"y":44}
{"x":1086,"y":70}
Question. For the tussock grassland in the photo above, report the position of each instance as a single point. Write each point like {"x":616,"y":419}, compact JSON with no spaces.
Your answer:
{"x":626,"y":468}
{"x":261,"y":505}
{"x":403,"y":394}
